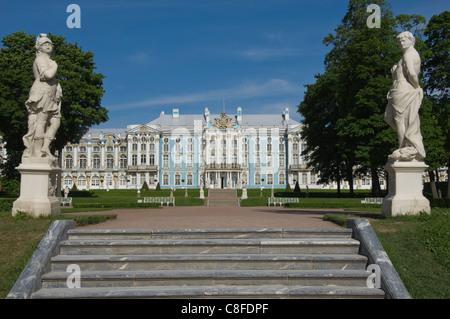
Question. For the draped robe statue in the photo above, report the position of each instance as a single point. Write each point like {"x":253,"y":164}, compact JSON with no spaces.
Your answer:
{"x":404,"y":101}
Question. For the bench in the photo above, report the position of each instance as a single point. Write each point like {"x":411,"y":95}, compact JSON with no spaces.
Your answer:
{"x":372,"y":200}
{"x":66,"y":200}
{"x":161,"y":200}
{"x":282,"y":200}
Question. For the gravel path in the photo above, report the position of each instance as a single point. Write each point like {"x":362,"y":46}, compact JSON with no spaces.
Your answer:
{"x":214,"y":217}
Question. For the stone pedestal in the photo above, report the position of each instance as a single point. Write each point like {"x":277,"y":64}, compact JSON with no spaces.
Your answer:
{"x":38,"y":185}
{"x":405,"y":195}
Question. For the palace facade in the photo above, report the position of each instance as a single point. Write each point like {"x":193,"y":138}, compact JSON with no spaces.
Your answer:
{"x":192,"y":150}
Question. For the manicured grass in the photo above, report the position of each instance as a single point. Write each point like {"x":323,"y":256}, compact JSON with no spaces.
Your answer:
{"x":19,"y":237}
{"x":419,"y":248}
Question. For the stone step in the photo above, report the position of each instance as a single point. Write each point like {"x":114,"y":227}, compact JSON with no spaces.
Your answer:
{"x":210,"y":262}
{"x":218,"y":202}
{"x":254,"y":292}
{"x":211,"y":246}
{"x":222,"y":193}
{"x":91,"y":279}
{"x":209,"y":233}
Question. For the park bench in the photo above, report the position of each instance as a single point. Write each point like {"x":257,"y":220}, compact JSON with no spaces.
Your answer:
{"x":282,"y":200}
{"x":66,"y":200}
{"x":372,"y":200}
{"x":161,"y":200}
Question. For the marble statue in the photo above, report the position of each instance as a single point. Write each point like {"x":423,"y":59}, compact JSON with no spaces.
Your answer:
{"x":405,"y":165}
{"x":44,"y":102}
{"x":404,"y":101}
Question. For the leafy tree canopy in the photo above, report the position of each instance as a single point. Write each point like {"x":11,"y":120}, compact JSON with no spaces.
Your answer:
{"x":82,"y":92}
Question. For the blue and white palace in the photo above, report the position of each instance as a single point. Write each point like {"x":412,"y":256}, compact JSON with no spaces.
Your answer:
{"x":191,"y":150}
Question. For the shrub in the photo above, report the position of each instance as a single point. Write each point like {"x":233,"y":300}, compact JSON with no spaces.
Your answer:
{"x":158,"y":187}
{"x":145,"y":187}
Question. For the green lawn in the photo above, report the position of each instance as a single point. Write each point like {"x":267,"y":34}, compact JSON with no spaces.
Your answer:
{"x":418,"y":246}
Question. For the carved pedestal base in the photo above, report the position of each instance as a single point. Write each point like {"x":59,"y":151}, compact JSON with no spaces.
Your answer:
{"x":405,"y":189}
{"x":38,"y":187}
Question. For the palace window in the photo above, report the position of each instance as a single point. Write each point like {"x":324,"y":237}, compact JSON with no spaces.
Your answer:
{"x":95,"y":181}
{"x":281,"y":160}
{"x":69,"y":161}
{"x":143,"y":147}
{"x":68,"y":181}
{"x":82,"y":161}
{"x":81,"y":181}
{"x":294,"y":159}
{"x":96,"y":148}
{"x":82,"y":148}
{"x":257,"y":179}
{"x":281,"y":178}
{"x":165,"y":160}
{"x":189,"y":180}
{"x":134,"y":159}
{"x":165,"y":179}
{"x":151,"y":159}
{"x":69,"y":149}
{"x":109,"y":148}
{"x":152,"y":147}
{"x":269,"y":161}
{"x":123,"y":161}
{"x":96,"y":161}
{"x":143,"y":159}
{"x":269,"y":179}
{"x":177,"y":180}
{"x":109,"y":161}
{"x":123,"y":148}
{"x":122,"y":180}
{"x":134,"y":147}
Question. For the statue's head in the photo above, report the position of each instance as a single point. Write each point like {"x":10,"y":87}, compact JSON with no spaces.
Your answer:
{"x":43,"y":44}
{"x":405,"y":40}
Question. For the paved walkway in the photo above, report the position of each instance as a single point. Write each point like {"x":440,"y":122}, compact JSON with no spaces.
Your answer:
{"x":215,"y":217}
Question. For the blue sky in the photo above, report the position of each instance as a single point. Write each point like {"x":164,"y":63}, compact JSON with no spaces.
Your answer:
{"x":163,"y":54}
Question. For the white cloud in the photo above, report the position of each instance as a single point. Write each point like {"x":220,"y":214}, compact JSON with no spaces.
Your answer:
{"x":246,"y":90}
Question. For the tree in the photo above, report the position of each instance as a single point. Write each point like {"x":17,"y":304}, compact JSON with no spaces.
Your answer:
{"x":359,"y":63}
{"x":436,"y":75}
{"x":82,"y":92}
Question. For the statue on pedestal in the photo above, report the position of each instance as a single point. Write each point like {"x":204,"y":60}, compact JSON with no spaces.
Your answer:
{"x":404,"y":101}
{"x":405,"y":165}
{"x":44,"y":102}
{"x":39,"y":169}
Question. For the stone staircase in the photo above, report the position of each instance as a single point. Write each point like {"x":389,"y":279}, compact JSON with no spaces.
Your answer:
{"x":223,"y":197}
{"x":210,"y":263}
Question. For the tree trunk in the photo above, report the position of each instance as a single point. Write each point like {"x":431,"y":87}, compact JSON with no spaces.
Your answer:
{"x":433,"y":184}
{"x":376,"y":188}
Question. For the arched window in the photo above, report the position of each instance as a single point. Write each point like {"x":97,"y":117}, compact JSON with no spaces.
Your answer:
{"x":81,"y":181}
{"x":96,"y":161}
{"x":68,"y":181}
{"x":69,"y":161}
{"x":109,"y":161}
{"x":82,"y":161}
{"x":95,"y":181}
{"x":123,"y":161}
